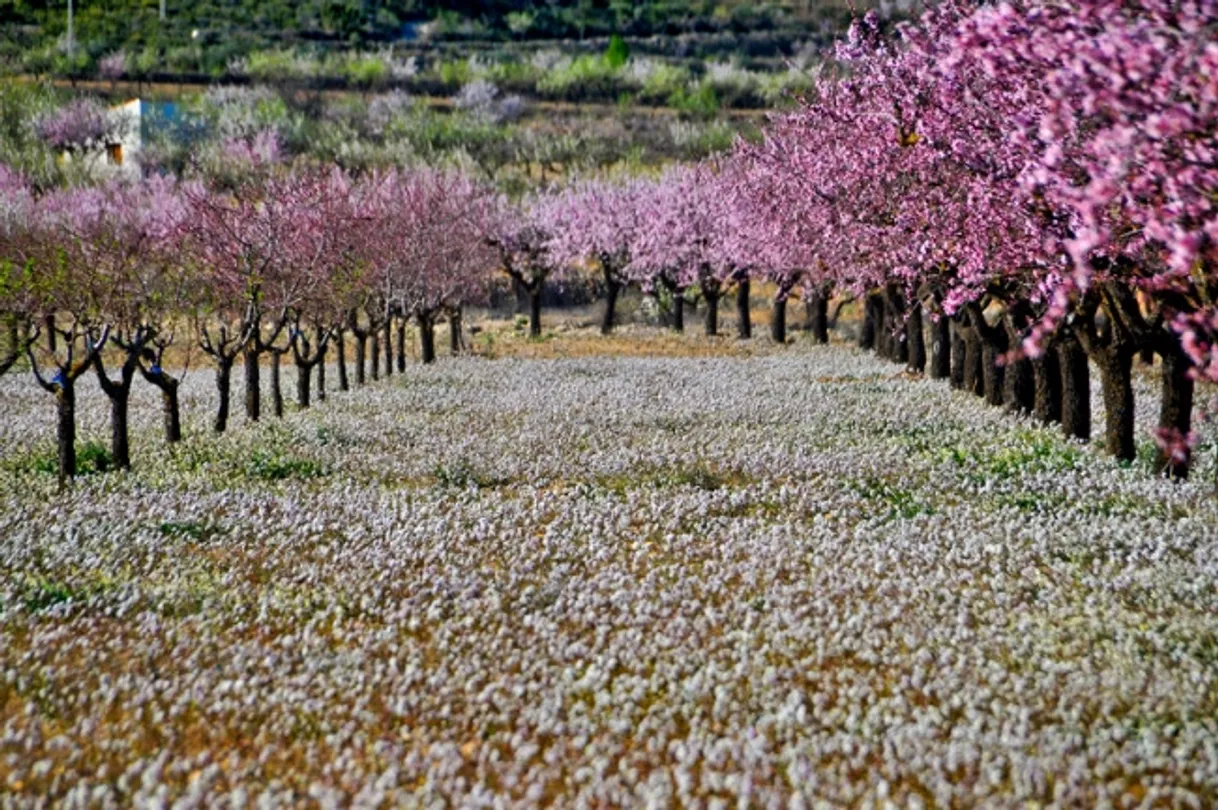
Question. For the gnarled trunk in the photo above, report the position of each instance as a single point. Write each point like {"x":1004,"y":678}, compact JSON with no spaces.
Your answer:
{"x":1116,"y":382}
{"x":744,"y":315}
{"x":65,"y":433}
{"x":340,"y":350}
{"x":678,"y":310}
{"x":120,"y":442}
{"x":941,"y":348}
{"x":1075,"y":388}
{"x":817,"y":312}
{"x":915,"y":339}
{"x":1019,"y":385}
{"x":974,"y":376}
{"x":387,"y":339}
{"x":712,"y":313}
{"x":171,"y":410}
{"x":959,"y":357}
{"x":253,"y":385}
{"x":402,"y":345}
{"x":361,"y":354}
{"x":321,"y":374}
{"x":427,"y":338}
{"x":535,"y":311}
{"x":1175,"y":406}
{"x":375,"y":339}
{"x":224,"y":387}
{"x":303,"y":375}
{"x":612,"y":289}
{"x":778,"y":320}
{"x":276,"y":387}
{"x":1046,"y":387}
{"x":454,"y":331}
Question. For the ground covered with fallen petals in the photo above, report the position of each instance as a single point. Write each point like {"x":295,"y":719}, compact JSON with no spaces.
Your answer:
{"x":769,"y":581}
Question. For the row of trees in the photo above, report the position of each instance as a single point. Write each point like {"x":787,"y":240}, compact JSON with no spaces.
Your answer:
{"x":1033,"y":184}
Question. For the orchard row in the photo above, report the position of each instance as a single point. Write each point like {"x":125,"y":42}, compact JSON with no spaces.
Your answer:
{"x":1036,"y":182}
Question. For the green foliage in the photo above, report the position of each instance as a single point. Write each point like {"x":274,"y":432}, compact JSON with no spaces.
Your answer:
{"x":617,"y":53}
{"x":903,"y":503}
{"x":462,"y":475}
{"x":275,"y":466}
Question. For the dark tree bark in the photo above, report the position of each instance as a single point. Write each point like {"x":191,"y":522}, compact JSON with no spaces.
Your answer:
{"x":402,"y":344}
{"x":744,"y":314}
{"x":678,"y":310}
{"x":63,"y":386}
{"x":712,"y":291}
{"x":535,"y":311}
{"x":993,"y":341}
{"x":915,"y":338}
{"x":224,"y":387}
{"x":896,"y":346}
{"x":1019,"y":385}
{"x":321,"y":375}
{"x":522,"y":295}
{"x":1176,"y":403}
{"x":974,"y":375}
{"x":869,"y":329}
{"x":303,"y":375}
{"x":276,"y":386}
{"x":940,"y":348}
{"x":65,"y":431}
{"x":1075,"y":387}
{"x":1116,"y":382}
{"x":119,"y":393}
{"x":778,"y":320}
{"x":171,"y":411}
{"x":1147,"y":356}
{"x":253,"y":384}
{"x":1111,"y":345}
{"x":612,"y":289}
{"x":387,"y":339}
{"x":817,"y":311}
{"x":454,"y":330}
{"x":1047,"y":386}
{"x":958,"y":352}
{"x":374,"y":338}
{"x":361,"y":354}
{"x":340,"y":354}
{"x":427,"y":338}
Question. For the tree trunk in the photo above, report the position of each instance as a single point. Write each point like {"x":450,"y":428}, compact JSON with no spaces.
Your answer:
{"x":340,"y":350}
{"x":994,"y":372}
{"x":387,"y":339}
{"x":361,"y":354}
{"x":915,"y":338}
{"x":940,"y":348}
{"x":1075,"y":388}
{"x":253,"y":386}
{"x":712,"y":314}
{"x":427,"y":339}
{"x":612,"y":288}
{"x":374,"y":337}
{"x":535,"y":312}
{"x":321,"y":374}
{"x":868,"y":329}
{"x":1147,"y":355}
{"x":678,"y":310}
{"x":778,"y":320}
{"x":958,"y":352}
{"x":1116,"y":381}
{"x":454,"y":331}
{"x":303,"y":373}
{"x":65,"y":407}
{"x":1176,"y":405}
{"x":171,"y":410}
{"x":974,"y":377}
{"x":276,"y":387}
{"x":818,"y":317}
{"x":1046,"y":387}
{"x":120,"y":437}
{"x":1019,"y":386}
{"x":224,"y":386}
{"x":402,"y":345}
{"x":744,"y":315}
{"x":522,"y":296}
